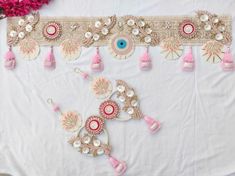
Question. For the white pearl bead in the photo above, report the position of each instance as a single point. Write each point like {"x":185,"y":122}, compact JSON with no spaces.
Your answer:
{"x":107,"y":21}
{"x":88,"y":35}
{"x":21,"y":35}
{"x":130,"y":111}
{"x":141,"y":23}
{"x":21,"y":22}
{"x":135,"y":31}
{"x":134,"y":103}
{"x":77,"y":144}
{"x":207,"y":27}
{"x":96,"y":37}
{"x":215,"y":20}
{"x":130,"y":22}
{"x":28,"y":28}
{"x":222,"y":28}
{"x":86,"y":139}
{"x":13,"y":34}
{"x":30,"y":18}
{"x":130,"y":93}
{"x":104,"y":31}
{"x":121,"y":88}
{"x":85,"y":150}
{"x":147,"y":39}
{"x":148,"y":30}
{"x":219,"y":36}
{"x":121,"y":98}
{"x":97,"y":24}
{"x":96,"y":143}
{"x":204,"y":17}
{"x":100,"y":151}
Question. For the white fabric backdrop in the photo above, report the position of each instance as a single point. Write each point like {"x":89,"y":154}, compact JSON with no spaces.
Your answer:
{"x":197,"y":109}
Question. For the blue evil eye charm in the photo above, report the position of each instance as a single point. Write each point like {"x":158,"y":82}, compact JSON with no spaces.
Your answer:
{"x":121,"y":43}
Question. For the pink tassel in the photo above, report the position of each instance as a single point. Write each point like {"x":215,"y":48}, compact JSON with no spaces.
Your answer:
{"x":96,"y":64}
{"x":188,"y":61}
{"x":49,"y":62}
{"x":56,"y":108}
{"x":153,"y":125}
{"x":119,"y":166}
{"x":10,"y":61}
{"x":227,"y":62}
{"x":145,"y":61}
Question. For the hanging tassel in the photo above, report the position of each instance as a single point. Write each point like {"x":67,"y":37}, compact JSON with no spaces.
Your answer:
{"x":96,"y":63}
{"x":227,"y":62}
{"x":49,"y":62}
{"x":119,"y":166}
{"x":153,"y":125}
{"x":10,"y":61}
{"x":188,"y":61}
{"x":145,"y":61}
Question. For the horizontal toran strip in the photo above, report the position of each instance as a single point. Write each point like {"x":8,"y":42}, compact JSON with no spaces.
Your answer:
{"x":121,"y":35}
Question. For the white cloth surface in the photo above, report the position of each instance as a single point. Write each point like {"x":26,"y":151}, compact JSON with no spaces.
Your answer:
{"x":196,"y":109}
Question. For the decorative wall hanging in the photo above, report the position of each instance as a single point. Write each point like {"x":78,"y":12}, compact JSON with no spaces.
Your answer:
{"x":122,"y":34}
{"x":92,"y":136}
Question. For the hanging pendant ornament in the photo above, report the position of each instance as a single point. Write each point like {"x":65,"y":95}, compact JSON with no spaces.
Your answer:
{"x":70,"y":49}
{"x":101,"y":87}
{"x":96,"y":63}
{"x":145,"y":61}
{"x":188,"y":61}
{"x":227,"y":62}
{"x":121,"y":45}
{"x":10,"y":61}
{"x":49,"y":62}
{"x":29,"y":49}
{"x":171,"y":48}
{"x":213,"y":51}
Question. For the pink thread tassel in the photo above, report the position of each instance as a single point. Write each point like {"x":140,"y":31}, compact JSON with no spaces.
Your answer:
{"x":119,"y":166}
{"x":96,"y":63}
{"x":10,"y":61}
{"x":49,"y":62}
{"x":153,"y":125}
{"x":188,"y":61}
{"x":145,"y":61}
{"x":227,"y":62}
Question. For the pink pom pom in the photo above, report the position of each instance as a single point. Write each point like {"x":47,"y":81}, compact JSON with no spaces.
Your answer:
{"x":96,"y":63}
{"x":227,"y":62}
{"x":10,"y":61}
{"x":85,"y":75}
{"x":49,"y":62}
{"x":145,"y":61}
{"x":119,"y":166}
{"x":153,"y":125}
{"x":56,"y":108}
{"x":188,"y":61}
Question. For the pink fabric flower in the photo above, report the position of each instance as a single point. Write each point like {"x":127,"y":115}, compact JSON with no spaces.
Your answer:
{"x":20,"y":7}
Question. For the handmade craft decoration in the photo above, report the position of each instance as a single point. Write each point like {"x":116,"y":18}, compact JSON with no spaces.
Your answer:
{"x":122,"y":34}
{"x":92,"y":137}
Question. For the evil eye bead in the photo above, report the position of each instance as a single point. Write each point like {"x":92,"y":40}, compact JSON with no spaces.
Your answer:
{"x":28,"y":28}
{"x":121,"y":98}
{"x":147,"y":39}
{"x":96,"y":143}
{"x":21,"y":22}
{"x":13,"y":34}
{"x":207,"y":27}
{"x":87,"y":139}
{"x":88,"y":35}
{"x":109,"y":109}
{"x":104,"y":31}
{"x":130,"y":111}
{"x":30,"y":18}
{"x":97,"y":24}
{"x":94,"y":125}
{"x":85,"y":150}
{"x":134,"y":103}
{"x":100,"y":151}
{"x":96,"y":37}
{"x":21,"y":35}
{"x":135,"y":31}
{"x":219,"y":36}
{"x":130,"y":93}
{"x":204,"y":18}
{"x":77,"y":144}
{"x":141,"y":23}
{"x":130,"y":22}
{"x":121,"y":88}
{"x":148,"y":30}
